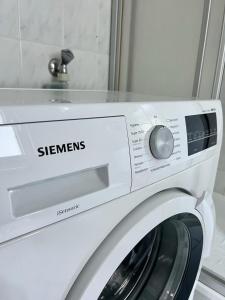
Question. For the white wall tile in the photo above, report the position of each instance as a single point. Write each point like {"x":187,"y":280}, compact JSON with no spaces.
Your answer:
{"x":88,"y":70}
{"x":9,"y":18}
{"x":87,"y":25}
{"x":42,"y":21}
{"x":83,"y":70}
{"x":35,"y":59}
{"x":102,"y":71}
{"x":9,"y":62}
{"x":80,"y":17}
{"x":47,"y":26}
{"x":103,"y":25}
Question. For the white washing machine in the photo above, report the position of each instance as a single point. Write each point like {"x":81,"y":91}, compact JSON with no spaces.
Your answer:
{"x":105,"y":200}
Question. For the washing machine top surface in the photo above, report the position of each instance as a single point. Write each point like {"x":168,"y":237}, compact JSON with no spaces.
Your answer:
{"x":20,"y":96}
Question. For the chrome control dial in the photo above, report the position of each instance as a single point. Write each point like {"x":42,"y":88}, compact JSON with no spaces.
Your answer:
{"x":161,"y":142}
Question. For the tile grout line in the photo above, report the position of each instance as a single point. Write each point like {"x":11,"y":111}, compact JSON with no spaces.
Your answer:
{"x":53,"y":45}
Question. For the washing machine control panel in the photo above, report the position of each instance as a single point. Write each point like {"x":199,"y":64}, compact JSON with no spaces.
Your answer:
{"x":164,"y":142}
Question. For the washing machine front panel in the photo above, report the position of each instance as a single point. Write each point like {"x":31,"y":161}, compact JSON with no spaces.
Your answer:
{"x":64,"y":249}
{"x":67,"y":158}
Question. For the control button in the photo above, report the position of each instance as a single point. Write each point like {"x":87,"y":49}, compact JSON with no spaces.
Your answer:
{"x":161,"y":142}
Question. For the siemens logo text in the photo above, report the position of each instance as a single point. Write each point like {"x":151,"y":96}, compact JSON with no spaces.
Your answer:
{"x":57,"y":149}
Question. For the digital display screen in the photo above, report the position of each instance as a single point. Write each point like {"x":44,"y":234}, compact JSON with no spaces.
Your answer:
{"x":201,"y":132}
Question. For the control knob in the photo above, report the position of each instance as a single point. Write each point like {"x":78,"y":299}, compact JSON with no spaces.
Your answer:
{"x":161,"y":142}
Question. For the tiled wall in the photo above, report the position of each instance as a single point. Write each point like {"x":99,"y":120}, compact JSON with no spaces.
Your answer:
{"x":33,"y":31}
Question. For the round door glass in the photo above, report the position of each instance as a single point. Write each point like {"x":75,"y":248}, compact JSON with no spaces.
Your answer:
{"x":162,"y":266}
{"x":130,"y":272}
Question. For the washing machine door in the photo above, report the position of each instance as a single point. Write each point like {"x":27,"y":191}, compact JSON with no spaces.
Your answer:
{"x":153,"y":254}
